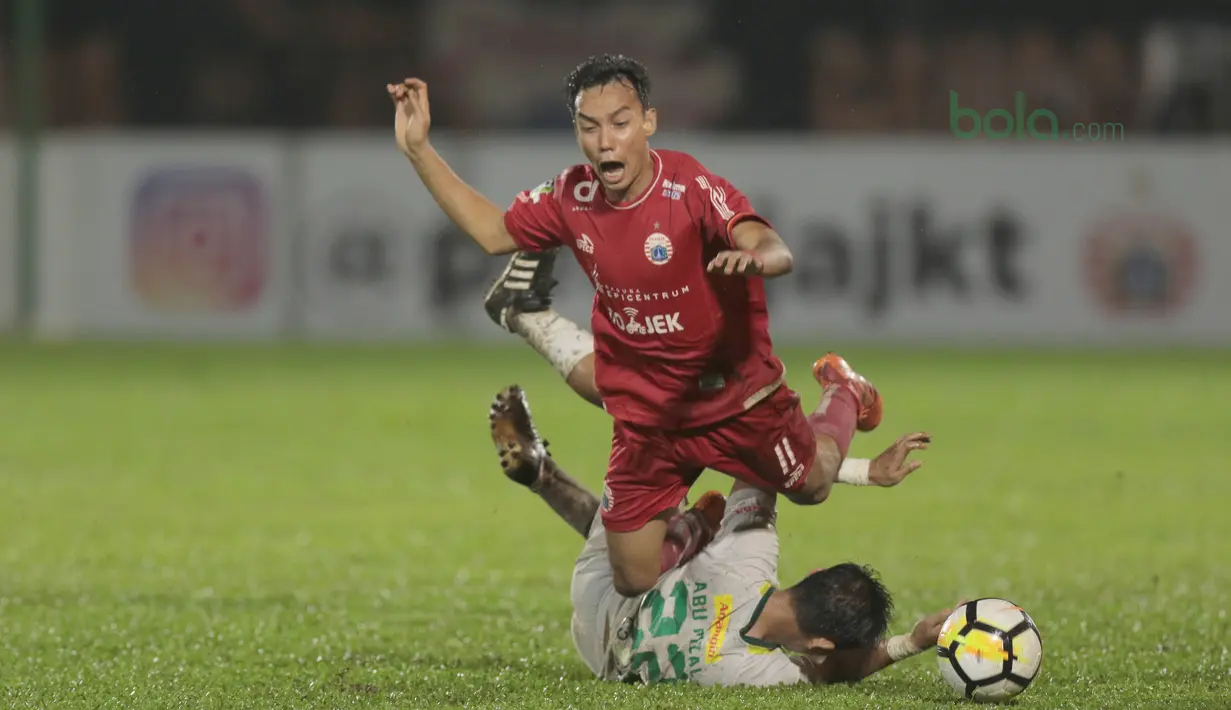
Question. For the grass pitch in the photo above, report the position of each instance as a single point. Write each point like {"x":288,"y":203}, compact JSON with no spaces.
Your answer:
{"x":327,"y":527}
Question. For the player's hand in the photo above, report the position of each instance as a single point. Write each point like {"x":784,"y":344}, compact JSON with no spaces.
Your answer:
{"x":892,"y":465}
{"x":927,"y":632}
{"x":412,"y":115}
{"x":744,"y":263}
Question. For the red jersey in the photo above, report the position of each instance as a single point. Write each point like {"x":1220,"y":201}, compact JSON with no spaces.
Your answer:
{"x":675,"y":347}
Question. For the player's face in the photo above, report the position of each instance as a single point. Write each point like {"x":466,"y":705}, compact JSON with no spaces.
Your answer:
{"x":613,"y":130}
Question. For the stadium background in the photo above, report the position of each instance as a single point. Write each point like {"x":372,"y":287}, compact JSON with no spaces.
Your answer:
{"x":286,"y":519}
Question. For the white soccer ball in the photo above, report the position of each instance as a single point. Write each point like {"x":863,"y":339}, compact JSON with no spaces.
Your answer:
{"x":989,"y":650}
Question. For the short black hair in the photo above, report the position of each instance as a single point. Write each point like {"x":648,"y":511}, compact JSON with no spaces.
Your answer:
{"x":846,"y":604}
{"x":606,"y":69}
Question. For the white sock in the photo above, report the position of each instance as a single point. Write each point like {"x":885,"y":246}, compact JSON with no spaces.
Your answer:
{"x":556,"y":338}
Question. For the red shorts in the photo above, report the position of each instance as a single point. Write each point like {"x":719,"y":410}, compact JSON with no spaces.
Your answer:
{"x":769,"y":446}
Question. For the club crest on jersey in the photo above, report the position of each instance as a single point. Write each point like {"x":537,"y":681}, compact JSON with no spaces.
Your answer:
{"x":658,"y":249}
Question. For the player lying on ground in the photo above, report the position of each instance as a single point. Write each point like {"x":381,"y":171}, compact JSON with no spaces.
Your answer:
{"x":684,"y":361}
{"x":720,"y":618}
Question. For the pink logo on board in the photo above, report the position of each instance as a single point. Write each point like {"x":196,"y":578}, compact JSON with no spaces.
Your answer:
{"x":199,"y":240}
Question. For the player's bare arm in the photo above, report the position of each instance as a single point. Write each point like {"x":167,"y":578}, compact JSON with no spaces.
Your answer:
{"x":851,"y":666}
{"x":761,"y":252}
{"x":889,"y":468}
{"x":473,"y":213}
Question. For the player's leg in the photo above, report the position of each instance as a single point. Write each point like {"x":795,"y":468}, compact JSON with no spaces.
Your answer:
{"x":674,"y":536}
{"x":524,"y":459}
{"x":520,"y":302}
{"x":670,"y":538}
{"x":636,"y":556}
{"x":848,"y":403}
{"x":776,"y":447}
{"x":581,"y":380}
{"x":646,"y":533}
{"x":598,"y":608}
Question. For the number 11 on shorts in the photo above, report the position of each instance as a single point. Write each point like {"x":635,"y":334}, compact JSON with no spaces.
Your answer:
{"x":791,"y":468}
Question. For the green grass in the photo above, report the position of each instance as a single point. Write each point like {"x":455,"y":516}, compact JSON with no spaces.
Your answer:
{"x":326,"y":527}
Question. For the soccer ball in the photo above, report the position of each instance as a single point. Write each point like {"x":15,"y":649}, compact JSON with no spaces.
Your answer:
{"x":989,"y":650}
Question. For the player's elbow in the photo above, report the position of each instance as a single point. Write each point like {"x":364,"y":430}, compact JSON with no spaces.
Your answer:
{"x":497,"y":243}
{"x":490,"y":247}
{"x":494,"y":239}
{"x":778,"y":260}
{"x":788,"y":262}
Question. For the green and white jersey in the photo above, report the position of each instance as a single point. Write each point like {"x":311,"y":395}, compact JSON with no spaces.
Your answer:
{"x":690,"y":627}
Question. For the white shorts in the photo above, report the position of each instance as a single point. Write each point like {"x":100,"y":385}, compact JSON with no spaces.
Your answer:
{"x":598,"y":608}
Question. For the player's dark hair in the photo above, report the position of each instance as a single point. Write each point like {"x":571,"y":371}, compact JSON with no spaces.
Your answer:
{"x":846,"y":604}
{"x":607,"y":69}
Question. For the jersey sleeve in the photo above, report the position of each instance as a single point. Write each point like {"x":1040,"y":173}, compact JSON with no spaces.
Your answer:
{"x":722,"y":206}
{"x":747,"y":541}
{"x":535,"y":220}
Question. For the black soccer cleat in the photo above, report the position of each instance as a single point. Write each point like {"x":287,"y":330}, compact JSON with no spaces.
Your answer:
{"x":522,"y":451}
{"x":523,"y":287}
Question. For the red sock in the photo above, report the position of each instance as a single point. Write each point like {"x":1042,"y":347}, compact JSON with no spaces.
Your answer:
{"x":835,"y":416}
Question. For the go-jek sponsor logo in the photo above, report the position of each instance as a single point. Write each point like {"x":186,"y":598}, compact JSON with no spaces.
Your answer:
{"x":634,"y":323}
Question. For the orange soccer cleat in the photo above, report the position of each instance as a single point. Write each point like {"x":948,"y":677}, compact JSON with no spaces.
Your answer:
{"x":833,"y":370}
{"x":711,"y":507}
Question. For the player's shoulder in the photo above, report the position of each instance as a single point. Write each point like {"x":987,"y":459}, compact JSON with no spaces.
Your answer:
{"x":576,"y":183}
{"x":681,"y":164}
{"x":573,"y":174}
{"x":689,"y":175}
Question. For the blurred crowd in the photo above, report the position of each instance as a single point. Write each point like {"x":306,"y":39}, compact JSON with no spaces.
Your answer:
{"x":875,"y":67}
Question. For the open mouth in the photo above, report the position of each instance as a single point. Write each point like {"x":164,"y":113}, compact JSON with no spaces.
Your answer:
{"x":611,"y":170}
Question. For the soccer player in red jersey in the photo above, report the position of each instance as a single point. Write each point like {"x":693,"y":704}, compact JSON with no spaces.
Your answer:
{"x":682,"y":355}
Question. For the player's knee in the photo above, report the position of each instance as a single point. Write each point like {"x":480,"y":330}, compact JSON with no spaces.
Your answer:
{"x":810,"y":494}
{"x":630,"y":582}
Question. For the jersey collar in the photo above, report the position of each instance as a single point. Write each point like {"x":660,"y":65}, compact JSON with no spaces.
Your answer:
{"x":658,"y":173}
{"x":756,"y":613}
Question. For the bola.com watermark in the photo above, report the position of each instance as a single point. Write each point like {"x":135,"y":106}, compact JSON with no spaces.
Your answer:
{"x":1040,"y":124}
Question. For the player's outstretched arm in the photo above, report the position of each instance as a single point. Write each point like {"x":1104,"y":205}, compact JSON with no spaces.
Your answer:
{"x":888,"y":469}
{"x":856,"y":664}
{"x":472,"y":212}
{"x":761,"y":252}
